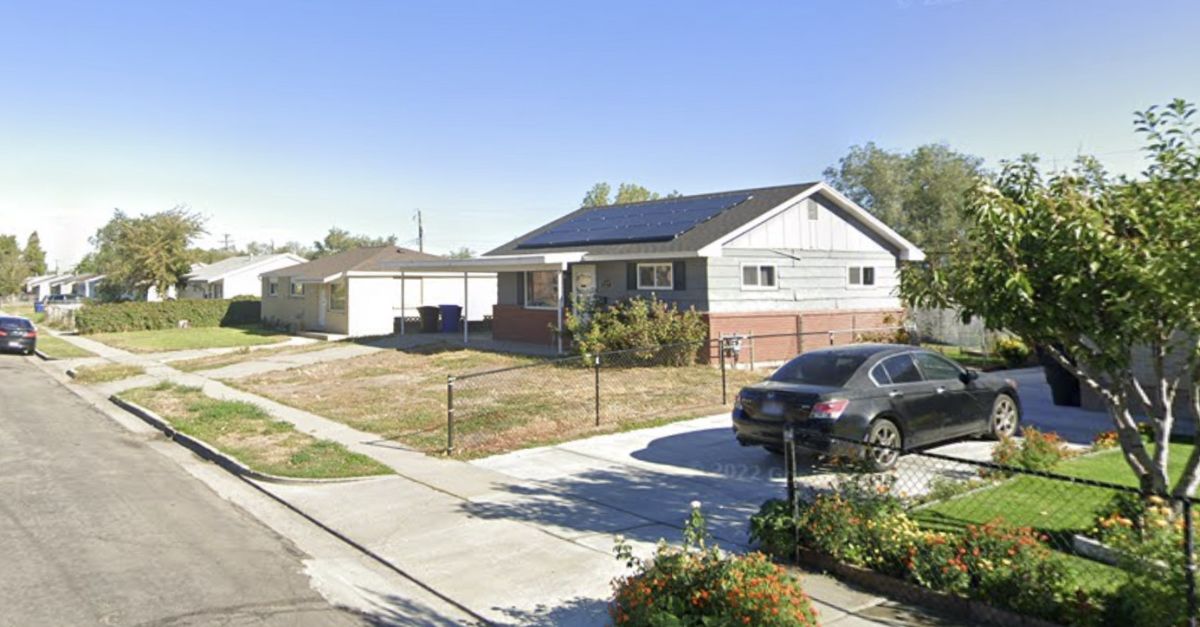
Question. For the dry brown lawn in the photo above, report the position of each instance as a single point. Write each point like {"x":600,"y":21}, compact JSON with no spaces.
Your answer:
{"x":245,"y":354}
{"x":402,"y":395}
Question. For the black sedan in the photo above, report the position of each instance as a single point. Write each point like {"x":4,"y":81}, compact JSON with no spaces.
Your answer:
{"x":17,"y":334}
{"x":899,"y":397}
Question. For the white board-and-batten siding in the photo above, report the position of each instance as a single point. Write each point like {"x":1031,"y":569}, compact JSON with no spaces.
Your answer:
{"x":812,"y":258}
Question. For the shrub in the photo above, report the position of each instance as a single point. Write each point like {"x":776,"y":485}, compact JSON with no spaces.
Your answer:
{"x":899,"y":335}
{"x":146,"y":316}
{"x":1148,"y":536}
{"x":700,"y":585}
{"x":639,"y":324}
{"x":1035,"y":451}
{"x":1013,"y":351}
{"x":1104,"y":441}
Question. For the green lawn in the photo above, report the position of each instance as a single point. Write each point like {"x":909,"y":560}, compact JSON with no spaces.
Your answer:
{"x":970,"y":359}
{"x":106,"y":373}
{"x":249,"y":434}
{"x":1057,"y":508}
{"x":183,"y":339}
{"x":58,"y":348}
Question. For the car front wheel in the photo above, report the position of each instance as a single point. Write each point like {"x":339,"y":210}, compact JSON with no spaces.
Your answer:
{"x":1004,"y":418}
{"x":888,"y":441}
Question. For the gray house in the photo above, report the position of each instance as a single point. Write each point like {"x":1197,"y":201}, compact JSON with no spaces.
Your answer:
{"x":788,"y":259}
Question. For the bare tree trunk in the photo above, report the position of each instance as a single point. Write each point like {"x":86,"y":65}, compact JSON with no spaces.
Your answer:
{"x":1190,"y":479}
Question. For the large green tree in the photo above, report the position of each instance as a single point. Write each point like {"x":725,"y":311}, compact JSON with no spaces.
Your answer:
{"x":339,"y":240}
{"x":33,"y":255}
{"x":13,"y":270}
{"x":147,"y":251}
{"x":600,"y":195}
{"x":920,"y":193}
{"x":1100,"y":271}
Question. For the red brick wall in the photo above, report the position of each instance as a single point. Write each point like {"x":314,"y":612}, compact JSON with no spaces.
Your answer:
{"x":516,"y":324}
{"x":814,"y":325}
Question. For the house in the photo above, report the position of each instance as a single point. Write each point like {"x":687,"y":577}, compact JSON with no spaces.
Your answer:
{"x":790,"y":259}
{"x":87,"y":285}
{"x":39,"y":287}
{"x":235,"y":276}
{"x":358,"y":293}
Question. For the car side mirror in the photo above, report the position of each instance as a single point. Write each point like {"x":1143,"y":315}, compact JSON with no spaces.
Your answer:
{"x":969,"y":375}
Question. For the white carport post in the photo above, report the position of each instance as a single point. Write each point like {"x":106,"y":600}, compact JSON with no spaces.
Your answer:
{"x":561,"y":299}
{"x":466,"y":304}
{"x":402,"y":282}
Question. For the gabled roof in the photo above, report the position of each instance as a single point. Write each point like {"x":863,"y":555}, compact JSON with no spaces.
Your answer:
{"x":373,"y":259}
{"x":700,"y":239}
{"x":225,"y":267}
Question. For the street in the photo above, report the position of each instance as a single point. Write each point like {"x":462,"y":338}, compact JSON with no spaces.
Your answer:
{"x":97,"y":528}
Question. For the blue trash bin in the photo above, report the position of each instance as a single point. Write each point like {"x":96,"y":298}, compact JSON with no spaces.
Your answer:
{"x":39,"y":307}
{"x":450,"y":315}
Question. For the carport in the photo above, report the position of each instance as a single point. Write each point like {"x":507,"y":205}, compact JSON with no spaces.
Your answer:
{"x":553,"y":262}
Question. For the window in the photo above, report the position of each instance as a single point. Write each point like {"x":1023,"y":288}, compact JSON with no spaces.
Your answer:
{"x":337,"y":296}
{"x":297,"y":289}
{"x":758,"y":276}
{"x":813,"y":211}
{"x":824,"y":368}
{"x":862,"y":275}
{"x":936,"y":369}
{"x":900,"y":369}
{"x":273,"y":287}
{"x":541,"y":289}
{"x":655,"y":276}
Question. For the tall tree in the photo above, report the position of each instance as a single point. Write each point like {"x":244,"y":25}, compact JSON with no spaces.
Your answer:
{"x":462,"y":253}
{"x":146,"y":251}
{"x":339,"y":240}
{"x":921,"y":193}
{"x":600,"y":195}
{"x":33,"y":255}
{"x":13,"y":270}
{"x":1096,"y":270}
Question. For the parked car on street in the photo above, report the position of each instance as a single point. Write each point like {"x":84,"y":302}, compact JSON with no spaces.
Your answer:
{"x":17,"y":334}
{"x":897,"y":397}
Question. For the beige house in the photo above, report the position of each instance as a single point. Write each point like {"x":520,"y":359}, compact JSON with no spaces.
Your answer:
{"x":360,"y":292}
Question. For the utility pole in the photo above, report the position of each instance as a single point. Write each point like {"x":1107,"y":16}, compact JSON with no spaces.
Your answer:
{"x":420,"y":232}
{"x":226,"y":239}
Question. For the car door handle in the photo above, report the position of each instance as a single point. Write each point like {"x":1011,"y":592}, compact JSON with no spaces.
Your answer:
{"x":896,"y":394}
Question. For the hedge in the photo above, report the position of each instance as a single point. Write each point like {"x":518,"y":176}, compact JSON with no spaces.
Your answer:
{"x":142,"y":316}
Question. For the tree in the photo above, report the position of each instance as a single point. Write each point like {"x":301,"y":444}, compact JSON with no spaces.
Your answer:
{"x":13,"y":270}
{"x":920,"y":194}
{"x":461,"y":253}
{"x":33,"y":255}
{"x":296,"y":248}
{"x":339,"y":240}
{"x":598,"y":195}
{"x":1095,"y":270}
{"x":147,"y":251}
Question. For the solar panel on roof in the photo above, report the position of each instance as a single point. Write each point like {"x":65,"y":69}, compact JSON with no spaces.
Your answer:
{"x":654,"y":221}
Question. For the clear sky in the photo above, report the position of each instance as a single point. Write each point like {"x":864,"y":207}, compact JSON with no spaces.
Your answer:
{"x":279,"y":119}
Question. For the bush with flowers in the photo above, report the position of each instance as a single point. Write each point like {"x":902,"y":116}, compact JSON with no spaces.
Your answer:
{"x":1148,"y":535}
{"x":698,"y":584}
{"x":862,"y":523}
{"x":1036,"y":450}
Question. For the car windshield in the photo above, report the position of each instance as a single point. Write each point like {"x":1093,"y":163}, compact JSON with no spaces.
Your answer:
{"x":825,"y":368}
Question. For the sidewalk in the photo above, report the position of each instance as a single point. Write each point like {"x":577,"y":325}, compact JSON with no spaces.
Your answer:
{"x":515,"y":550}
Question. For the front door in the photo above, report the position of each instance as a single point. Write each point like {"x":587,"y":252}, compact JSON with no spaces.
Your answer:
{"x":322,"y":304}
{"x":583,"y":281}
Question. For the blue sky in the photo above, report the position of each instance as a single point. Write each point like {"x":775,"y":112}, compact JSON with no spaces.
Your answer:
{"x":279,"y":119}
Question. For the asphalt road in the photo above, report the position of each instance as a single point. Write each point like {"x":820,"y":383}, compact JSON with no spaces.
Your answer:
{"x":97,"y":528}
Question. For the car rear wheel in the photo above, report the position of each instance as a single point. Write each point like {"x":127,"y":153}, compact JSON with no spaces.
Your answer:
{"x":1004,"y":418}
{"x":886,"y":437}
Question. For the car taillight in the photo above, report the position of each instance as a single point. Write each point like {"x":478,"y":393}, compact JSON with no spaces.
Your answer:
{"x":3,"y":333}
{"x":737,"y":401}
{"x":829,"y":409}
{"x":31,"y":334}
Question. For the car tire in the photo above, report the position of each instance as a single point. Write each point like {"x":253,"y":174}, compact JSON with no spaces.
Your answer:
{"x":1004,"y":418}
{"x":884,"y":433}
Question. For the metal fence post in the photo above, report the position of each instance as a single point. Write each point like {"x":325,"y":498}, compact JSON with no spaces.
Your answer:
{"x":450,"y":414}
{"x":789,"y":459}
{"x":752,"y":350}
{"x":831,"y":340}
{"x":597,"y":390}
{"x":721,"y":356}
{"x":1189,"y":545}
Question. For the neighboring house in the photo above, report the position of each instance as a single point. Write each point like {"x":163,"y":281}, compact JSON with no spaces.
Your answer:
{"x":39,"y":287}
{"x":357,"y":293}
{"x":235,"y":276}
{"x":64,"y":284}
{"x":790,"y":259}
{"x":87,"y":285}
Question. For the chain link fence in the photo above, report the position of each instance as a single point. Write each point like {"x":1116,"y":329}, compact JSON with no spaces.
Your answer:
{"x":1064,"y":548}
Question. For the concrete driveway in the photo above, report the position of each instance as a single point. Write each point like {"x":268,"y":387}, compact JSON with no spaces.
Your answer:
{"x":654,"y":473}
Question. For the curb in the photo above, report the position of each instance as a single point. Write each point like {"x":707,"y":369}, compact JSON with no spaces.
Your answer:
{"x":44,"y":356}
{"x":72,"y":373}
{"x":210,"y":453}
